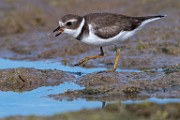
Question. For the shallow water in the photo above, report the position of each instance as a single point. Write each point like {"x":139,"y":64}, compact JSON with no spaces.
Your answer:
{"x":6,"y":63}
{"x":36,"y":102}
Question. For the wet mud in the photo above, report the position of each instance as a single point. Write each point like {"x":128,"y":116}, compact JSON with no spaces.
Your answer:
{"x":113,"y":86}
{"x":26,"y":79}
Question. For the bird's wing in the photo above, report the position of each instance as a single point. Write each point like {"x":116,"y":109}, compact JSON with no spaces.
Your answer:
{"x":109,"y":25}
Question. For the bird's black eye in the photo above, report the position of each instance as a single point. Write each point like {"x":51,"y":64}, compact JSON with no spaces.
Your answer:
{"x":69,"y":23}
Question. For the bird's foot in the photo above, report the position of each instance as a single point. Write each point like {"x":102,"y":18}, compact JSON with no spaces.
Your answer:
{"x":107,"y":71}
{"x":81,"y":62}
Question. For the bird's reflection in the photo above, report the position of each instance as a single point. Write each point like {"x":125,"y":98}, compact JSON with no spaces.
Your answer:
{"x":103,"y":104}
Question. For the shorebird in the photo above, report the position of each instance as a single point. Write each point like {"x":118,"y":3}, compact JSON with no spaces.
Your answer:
{"x":102,"y":29}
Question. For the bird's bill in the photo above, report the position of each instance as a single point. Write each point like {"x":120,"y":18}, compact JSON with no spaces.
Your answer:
{"x":59,"y":30}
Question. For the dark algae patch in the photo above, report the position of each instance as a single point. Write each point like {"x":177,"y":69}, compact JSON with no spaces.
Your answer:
{"x":144,"y":111}
{"x":169,"y":70}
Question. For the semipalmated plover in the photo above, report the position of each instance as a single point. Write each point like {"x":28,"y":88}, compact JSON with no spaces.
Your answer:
{"x":102,"y":29}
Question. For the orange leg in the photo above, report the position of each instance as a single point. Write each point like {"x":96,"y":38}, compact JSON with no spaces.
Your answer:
{"x":116,"y":61}
{"x":90,"y":57}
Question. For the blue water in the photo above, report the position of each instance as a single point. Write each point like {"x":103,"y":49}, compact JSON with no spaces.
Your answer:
{"x":6,"y":63}
{"x":36,"y":102}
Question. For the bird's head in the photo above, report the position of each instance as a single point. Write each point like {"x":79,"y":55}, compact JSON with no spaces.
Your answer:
{"x":69,"y":24}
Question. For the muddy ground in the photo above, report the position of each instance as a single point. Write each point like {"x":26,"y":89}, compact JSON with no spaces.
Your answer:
{"x":26,"y":34}
{"x":26,"y":79}
{"x":122,"y":86}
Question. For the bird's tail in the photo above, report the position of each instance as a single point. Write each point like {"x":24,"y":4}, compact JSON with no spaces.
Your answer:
{"x":149,"y":19}
{"x":152,"y":17}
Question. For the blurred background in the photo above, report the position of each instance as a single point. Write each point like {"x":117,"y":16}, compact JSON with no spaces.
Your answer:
{"x":17,"y":16}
